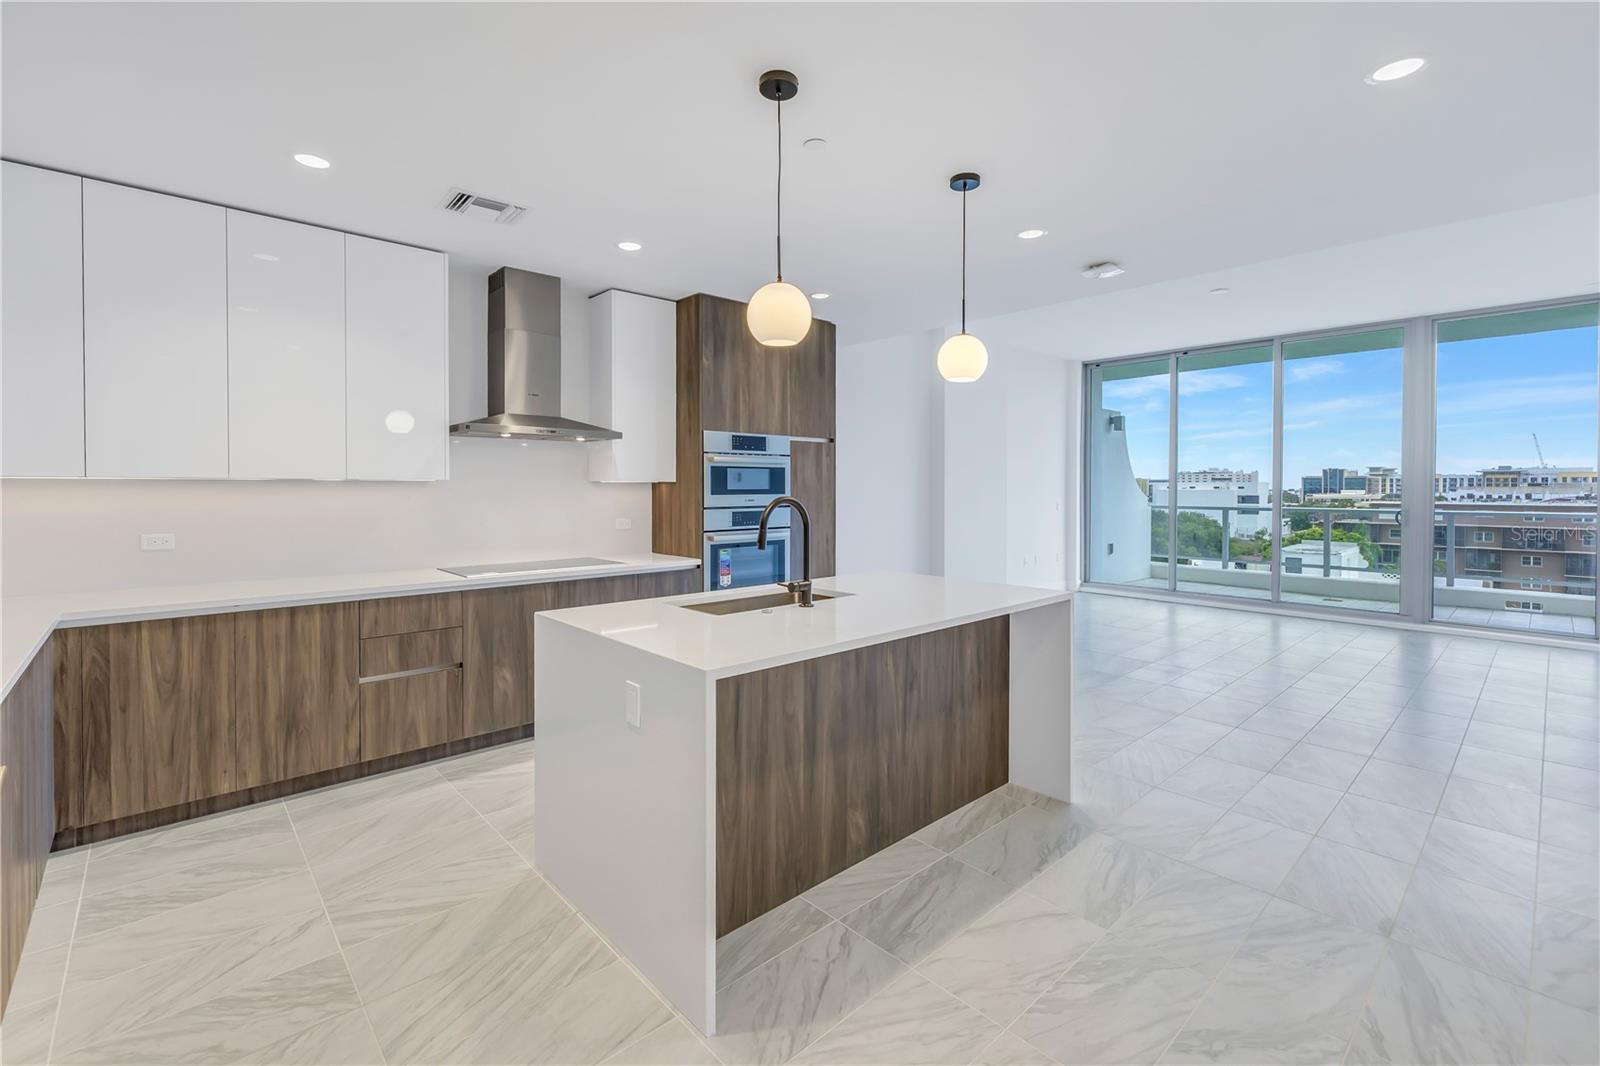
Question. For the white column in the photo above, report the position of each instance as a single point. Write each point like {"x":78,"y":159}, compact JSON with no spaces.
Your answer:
{"x":1041,"y":699}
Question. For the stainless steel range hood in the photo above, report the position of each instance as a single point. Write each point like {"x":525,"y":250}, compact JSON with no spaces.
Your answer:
{"x":525,"y":364}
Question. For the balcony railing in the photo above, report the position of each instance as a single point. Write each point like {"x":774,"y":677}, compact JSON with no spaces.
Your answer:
{"x":1226,"y":557}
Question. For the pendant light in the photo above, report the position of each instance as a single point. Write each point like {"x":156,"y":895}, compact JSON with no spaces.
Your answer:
{"x":779,"y":315}
{"x":963,"y":358}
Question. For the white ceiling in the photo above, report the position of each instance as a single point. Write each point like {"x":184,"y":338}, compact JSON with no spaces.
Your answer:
{"x":1537,"y":253}
{"x":1178,"y":139}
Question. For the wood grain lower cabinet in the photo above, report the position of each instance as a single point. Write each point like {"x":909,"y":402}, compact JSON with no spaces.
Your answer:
{"x":410,"y":614}
{"x":27,"y":809}
{"x":498,"y":624}
{"x":410,"y":651}
{"x":157,"y":714}
{"x":163,"y":715}
{"x":406,"y":713}
{"x":294,"y":692}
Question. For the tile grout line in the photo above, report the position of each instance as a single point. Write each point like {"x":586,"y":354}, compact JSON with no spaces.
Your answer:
{"x":72,"y":939}
{"x":337,"y":940}
{"x":578,"y":914}
{"x":847,"y":1015}
{"x":908,"y":967}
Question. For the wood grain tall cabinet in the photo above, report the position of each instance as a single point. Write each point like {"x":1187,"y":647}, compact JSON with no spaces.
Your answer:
{"x":727,"y":381}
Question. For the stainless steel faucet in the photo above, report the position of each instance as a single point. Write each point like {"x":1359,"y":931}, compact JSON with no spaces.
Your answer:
{"x":802,"y":588}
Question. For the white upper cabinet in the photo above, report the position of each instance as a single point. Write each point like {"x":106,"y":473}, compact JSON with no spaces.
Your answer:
{"x":150,"y":336}
{"x":286,"y":389}
{"x":155,"y":335}
{"x":633,"y":386}
{"x":396,"y":362}
{"x":41,"y":323}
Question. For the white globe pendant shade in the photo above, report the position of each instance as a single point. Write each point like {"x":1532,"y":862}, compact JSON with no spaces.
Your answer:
{"x":779,"y":315}
{"x":963,"y":358}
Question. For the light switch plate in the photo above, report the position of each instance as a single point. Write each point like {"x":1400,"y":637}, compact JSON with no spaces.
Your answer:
{"x":158,"y":542}
{"x":630,"y":697}
{"x":624,"y":523}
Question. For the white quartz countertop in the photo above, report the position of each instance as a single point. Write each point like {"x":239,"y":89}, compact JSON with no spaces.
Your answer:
{"x":26,"y":622}
{"x":880,"y":607}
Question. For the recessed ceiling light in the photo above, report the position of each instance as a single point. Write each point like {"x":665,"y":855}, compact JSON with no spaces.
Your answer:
{"x":821,"y":295}
{"x":1400,"y":68}
{"x":266,"y":257}
{"x":815,"y":144}
{"x":1032,"y":234}
{"x":1221,"y":290}
{"x":629,"y":246}
{"x":1102,"y":270}
{"x":315,"y":162}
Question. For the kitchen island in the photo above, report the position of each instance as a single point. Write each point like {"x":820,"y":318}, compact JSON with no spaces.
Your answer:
{"x":700,"y":764}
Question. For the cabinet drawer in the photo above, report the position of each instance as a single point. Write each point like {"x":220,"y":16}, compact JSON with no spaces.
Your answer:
{"x":410,"y":614}
{"x":411,"y":712}
{"x":410,"y":651}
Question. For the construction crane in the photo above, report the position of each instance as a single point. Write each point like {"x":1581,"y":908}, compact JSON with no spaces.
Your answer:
{"x":1542,"y":464}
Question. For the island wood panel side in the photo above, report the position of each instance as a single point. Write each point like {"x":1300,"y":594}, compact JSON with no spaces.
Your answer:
{"x":825,"y":762}
{"x":676,"y":506}
{"x":27,"y":804}
{"x":294,"y":692}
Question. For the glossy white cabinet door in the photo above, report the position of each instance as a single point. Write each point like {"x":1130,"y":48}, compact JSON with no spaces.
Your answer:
{"x":285,"y":349}
{"x":396,"y":362}
{"x":155,"y":335}
{"x":41,"y":323}
{"x":633,"y":386}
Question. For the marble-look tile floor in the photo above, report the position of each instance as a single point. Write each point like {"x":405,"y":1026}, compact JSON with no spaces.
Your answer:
{"x":1290,"y":841}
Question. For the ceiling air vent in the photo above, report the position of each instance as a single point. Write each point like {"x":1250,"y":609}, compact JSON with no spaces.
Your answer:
{"x":461,"y":202}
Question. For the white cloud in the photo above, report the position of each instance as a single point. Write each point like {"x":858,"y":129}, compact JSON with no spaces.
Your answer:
{"x":1309,"y":369}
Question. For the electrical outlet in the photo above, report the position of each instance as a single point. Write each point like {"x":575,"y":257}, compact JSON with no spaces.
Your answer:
{"x":624,"y":523}
{"x":158,"y":542}
{"x":630,"y":702}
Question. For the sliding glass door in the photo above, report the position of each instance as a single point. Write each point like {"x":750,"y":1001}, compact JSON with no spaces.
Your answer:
{"x":1222,"y":484}
{"x":1127,"y":422}
{"x":1443,"y":468}
{"x":1342,"y":398}
{"x":1518,"y":405}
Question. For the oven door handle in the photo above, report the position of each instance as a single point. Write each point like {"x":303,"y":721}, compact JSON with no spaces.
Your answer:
{"x":745,"y":538}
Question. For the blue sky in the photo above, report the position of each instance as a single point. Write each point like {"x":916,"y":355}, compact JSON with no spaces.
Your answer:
{"x":1344,"y":410}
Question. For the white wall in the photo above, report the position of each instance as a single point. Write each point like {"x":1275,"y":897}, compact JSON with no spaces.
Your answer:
{"x":1010,"y":449}
{"x":975,"y":481}
{"x":888,"y":454}
{"x":503,"y":501}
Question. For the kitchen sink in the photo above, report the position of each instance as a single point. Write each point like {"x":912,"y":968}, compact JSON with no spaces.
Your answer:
{"x":745,"y":604}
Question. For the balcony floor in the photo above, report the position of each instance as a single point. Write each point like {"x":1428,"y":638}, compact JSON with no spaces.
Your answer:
{"x":1522,"y":621}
